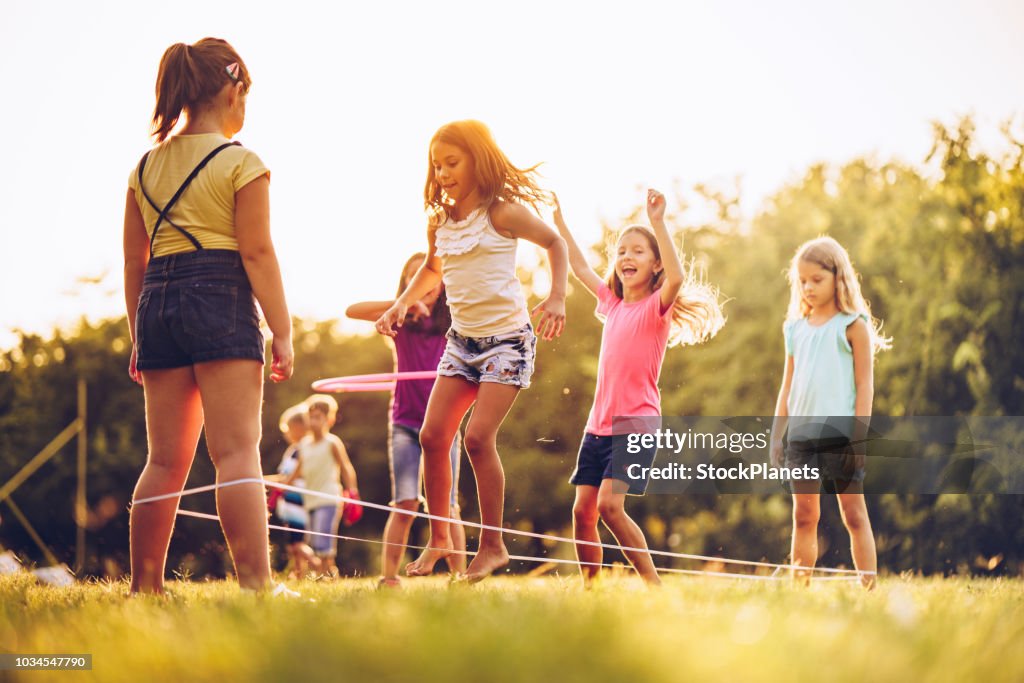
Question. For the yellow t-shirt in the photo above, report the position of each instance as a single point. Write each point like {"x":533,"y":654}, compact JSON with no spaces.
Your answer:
{"x":207,"y":208}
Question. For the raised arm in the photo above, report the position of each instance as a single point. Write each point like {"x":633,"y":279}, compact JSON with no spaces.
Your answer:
{"x":673,"y":269}
{"x":577,"y":260}
{"x":136,"y":258}
{"x":252,"y":229}
{"x":514,"y":220}
{"x":425,"y":279}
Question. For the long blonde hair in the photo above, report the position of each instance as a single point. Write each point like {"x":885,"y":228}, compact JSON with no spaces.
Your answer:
{"x":830,"y":255}
{"x":696,"y":313}
{"x":496,"y":176}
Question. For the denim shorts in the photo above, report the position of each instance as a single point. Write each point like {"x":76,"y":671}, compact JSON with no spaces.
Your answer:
{"x":831,"y":455}
{"x":404,"y":457}
{"x":196,"y":307}
{"x":597,"y":461}
{"x":504,"y":358}
{"x":324,"y":520}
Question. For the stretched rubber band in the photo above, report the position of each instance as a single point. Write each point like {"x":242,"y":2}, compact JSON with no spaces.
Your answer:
{"x":530,"y":558}
{"x":510,"y":532}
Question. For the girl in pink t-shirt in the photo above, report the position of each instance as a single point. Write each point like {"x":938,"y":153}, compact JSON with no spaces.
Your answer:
{"x":647,"y":303}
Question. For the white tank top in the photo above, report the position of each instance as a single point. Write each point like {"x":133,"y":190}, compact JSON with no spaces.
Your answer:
{"x":479,"y":273}
{"x":320,"y":470}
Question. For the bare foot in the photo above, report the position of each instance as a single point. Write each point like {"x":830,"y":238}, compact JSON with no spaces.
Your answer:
{"x":486,"y":562}
{"x":431,"y":555}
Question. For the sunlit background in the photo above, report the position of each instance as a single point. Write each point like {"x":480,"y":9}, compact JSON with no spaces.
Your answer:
{"x":611,"y":96}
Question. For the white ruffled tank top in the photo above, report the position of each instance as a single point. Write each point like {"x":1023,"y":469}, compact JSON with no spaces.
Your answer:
{"x":479,"y":273}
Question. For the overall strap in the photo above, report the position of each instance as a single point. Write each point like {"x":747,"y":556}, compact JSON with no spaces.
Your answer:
{"x":177,"y":195}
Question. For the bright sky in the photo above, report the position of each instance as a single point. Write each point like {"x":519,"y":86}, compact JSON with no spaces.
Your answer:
{"x":612,"y":96}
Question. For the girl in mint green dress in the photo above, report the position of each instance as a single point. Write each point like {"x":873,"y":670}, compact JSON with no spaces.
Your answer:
{"x":826,"y":395}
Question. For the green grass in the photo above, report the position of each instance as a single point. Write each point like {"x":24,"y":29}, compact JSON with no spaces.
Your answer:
{"x":526,"y":629}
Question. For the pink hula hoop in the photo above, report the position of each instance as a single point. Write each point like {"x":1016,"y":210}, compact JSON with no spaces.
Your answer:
{"x":381,"y":381}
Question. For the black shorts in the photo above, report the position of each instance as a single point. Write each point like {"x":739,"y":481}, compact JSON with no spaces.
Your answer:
{"x":607,"y":457}
{"x":196,"y":307}
{"x":833,"y":456}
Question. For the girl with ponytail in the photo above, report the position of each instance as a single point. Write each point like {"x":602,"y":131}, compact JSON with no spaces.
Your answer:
{"x":198,"y":256}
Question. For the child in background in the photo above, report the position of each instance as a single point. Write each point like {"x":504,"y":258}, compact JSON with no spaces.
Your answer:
{"x":324,"y":464}
{"x":826,"y":397}
{"x":418,"y":345}
{"x":647,"y":303}
{"x":287,"y":505}
{"x":476,"y":201}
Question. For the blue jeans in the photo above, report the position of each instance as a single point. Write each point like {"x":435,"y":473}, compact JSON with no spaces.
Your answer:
{"x":404,"y":457}
{"x":324,"y":520}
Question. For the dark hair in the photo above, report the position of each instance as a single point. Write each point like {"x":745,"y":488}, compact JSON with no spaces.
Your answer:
{"x":440,"y":318}
{"x":190,"y":76}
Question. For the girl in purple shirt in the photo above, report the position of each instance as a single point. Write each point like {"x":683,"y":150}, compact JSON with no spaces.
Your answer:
{"x":418,"y":345}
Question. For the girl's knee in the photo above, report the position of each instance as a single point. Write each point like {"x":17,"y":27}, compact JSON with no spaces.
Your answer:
{"x":169,"y":468}
{"x":855,"y":517}
{"x":478,"y":443}
{"x":610,"y":508}
{"x":433,"y":439}
{"x":235,"y":458}
{"x":806,"y":516}
{"x":585,"y":515}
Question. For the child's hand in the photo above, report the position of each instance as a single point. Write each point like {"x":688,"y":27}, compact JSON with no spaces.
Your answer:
{"x":776,"y":454}
{"x":392,"y":318}
{"x":283,"y":358}
{"x":552,"y":319}
{"x":655,"y":206}
{"x":133,"y":371}
{"x":557,"y":215}
{"x":353,"y":512}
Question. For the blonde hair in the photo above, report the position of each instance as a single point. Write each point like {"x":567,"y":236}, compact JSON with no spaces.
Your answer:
{"x":296,"y":412}
{"x":496,"y":176}
{"x":696,"y":312}
{"x":324,"y":403}
{"x":830,"y":255}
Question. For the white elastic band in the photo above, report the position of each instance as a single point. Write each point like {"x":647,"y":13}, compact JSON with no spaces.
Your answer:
{"x":529,"y":558}
{"x":511,"y":532}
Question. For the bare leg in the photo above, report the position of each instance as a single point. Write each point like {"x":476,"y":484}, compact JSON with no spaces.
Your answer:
{"x":174,"y":419}
{"x":396,"y":537}
{"x":457,"y":560}
{"x":584,"y":528}
{"x":806,"y":512}
{"x":449,"y":401}
{"x":492,"y":405}
{"x":862,"y":539}
{"x":611,"y":505}
{"x":232,"y":392}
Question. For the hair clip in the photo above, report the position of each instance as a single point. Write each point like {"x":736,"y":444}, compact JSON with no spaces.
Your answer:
{"x":233,"y":70}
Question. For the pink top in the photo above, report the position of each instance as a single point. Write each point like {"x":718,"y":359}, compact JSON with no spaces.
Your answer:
{"x":632,"y":349}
